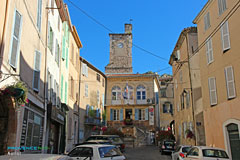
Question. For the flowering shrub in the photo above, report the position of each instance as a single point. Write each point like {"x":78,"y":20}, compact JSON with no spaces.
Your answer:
{"x":190,"y":134}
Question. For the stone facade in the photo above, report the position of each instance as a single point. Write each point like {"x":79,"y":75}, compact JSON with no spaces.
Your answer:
{"x":120,"y":52}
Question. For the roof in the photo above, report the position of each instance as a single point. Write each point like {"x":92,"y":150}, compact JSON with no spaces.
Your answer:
{"x":92,"y":66}
{"x":202,"y":11}
{"x":180,"y":41}
{"x":76,"y":37}
{"x":131,"y":75}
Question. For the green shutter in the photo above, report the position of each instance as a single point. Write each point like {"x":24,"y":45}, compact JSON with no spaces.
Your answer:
{"x":63,"y":48}
{"x":62,"y":87}
{"x":66,"y":57}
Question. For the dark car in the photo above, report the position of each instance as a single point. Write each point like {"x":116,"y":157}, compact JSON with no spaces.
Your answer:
{"x":167,"y":146}
{"x":115,"y":140}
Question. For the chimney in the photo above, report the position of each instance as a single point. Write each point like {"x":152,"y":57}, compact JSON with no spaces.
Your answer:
{"x":128,"y":28}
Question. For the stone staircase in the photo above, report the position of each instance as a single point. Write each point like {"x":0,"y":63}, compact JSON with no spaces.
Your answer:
{"x":141,"y":137}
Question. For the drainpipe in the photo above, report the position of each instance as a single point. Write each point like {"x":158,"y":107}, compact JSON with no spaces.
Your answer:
{"x":45,"y":84}
{"x":79,"y":89}
{"x":3,"y":33}
{"x":190,"y":79}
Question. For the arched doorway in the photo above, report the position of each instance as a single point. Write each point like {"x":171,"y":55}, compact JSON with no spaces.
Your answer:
{"x":234,"y":140}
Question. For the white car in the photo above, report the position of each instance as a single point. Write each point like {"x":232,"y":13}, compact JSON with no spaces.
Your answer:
{"x":206,"y":153}
{"x":96,"y":152}
{"x":180,"y":152}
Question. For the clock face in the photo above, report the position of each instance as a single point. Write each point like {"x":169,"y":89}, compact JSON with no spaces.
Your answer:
{"x":120,"y":45}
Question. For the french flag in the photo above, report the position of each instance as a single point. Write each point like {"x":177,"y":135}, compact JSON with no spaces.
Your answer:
{"x":125,"y":94}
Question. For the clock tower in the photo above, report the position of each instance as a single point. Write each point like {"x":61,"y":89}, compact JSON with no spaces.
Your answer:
{"x":120,"y":52}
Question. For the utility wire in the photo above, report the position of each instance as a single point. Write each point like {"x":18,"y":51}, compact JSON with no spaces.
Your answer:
{"x":104,"y":26}
{"x":216,"y":29}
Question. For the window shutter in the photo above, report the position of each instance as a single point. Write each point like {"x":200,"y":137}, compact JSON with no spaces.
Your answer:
{"x":212,"y":90}
{"x":39,"y":15}
{"x":66,"y":57}
{"x":56,"y":51}
{"x":86,"y":71}
{"x":225,"y":36}
{"x":36,"y":72}
{"x":206,"y":21}
{"x":111,"y":114}
{"x":164,"y":108}
{"x":209,"y":51}
{"x":63,"y":49}
{"x":146,"y":113}
{"x":230,"y":82}
{"x":222,"y":6}
{"x":121,"y":114}
{"x":178,"y":55}
{"x":15,"y":39}
{"x":136,"y":113}
{"x":171,"y":108}
{"x":54,"y":93}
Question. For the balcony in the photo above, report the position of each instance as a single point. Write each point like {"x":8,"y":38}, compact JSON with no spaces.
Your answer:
{"x":117,"y":124}
{"x":93,"y":121}
{"x":122,"y":101}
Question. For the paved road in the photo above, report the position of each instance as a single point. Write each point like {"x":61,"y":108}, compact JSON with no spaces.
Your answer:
{"x":145,"y":153}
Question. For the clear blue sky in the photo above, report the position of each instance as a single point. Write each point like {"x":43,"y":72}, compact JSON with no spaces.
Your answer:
{"x":157,"y":25}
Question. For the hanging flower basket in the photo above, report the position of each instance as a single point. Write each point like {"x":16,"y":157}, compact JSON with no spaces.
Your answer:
{"x":18,"y":91}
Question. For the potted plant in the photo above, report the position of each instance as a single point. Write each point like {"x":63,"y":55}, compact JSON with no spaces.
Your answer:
{"x":128,"y":121}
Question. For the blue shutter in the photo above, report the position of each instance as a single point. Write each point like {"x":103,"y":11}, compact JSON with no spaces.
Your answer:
{"x":15,"y":39}
{"x":121,"y":114}
{"x":87,"y":109}
{"x":111,"y":114}
{"x":136,"y":113}
{"x":146,"y":114}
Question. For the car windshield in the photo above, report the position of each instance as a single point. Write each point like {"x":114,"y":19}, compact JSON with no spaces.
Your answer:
{"x":96,"y":138}
{"x":214,"y":153}
{"x":185,"y":149}
{"x":115,"y":139}
{"x":109,"y":152}
{"x":169,"y":143}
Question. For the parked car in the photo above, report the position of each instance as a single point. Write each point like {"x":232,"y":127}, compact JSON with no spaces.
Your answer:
{"x":34,"y":157}
{"x":167,"y":146}
{"x":95,"y":142}
{"x":96,"y":152}
{"x":180,"y":152}
{"x":206,"y":153}
{"x":115,"y":140}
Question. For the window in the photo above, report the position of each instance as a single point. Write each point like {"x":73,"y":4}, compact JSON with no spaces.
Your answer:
{"x":209,"y":51}
{"x":225,"y":36}
{"x":86,"y":90}
{"x":50,"y":38}
{"x":167,"y":108}
{"x":36,"y":72}
{"x":222,"y":6}
{"x":98,"y":77}
{"x":116,"y":113}
{"x":163,"y":92}
{"x":85,"y":69}
{"x":57,"y":50}
{"x":54,"y":93}
{"x":178,"y":108}
{"x":81,"y":152}
{"x":72,"y":87}
{"x":39,"y":15}
{"x":188,"y":99}
{"x":66,"y":57}
{"x":116,"y":93}
{"x":128,"y":92}
{"x":106,"y":152}
{"x":141,"y":114}
{"x":194,"y":152}
{"x":15,"y":39}
{"x":178,"y":55}
{"x":141,"y":92}
{"x":50,"y":86}
{"x":212,"y":90}
{"x":182,"y":100}
{"x":184,"y":129}
{"x":180,"y":130}
{"x":180,"y":76}
{"x":63,"y":47}
{"x":230,"y":82}
{"x":207,"y":21}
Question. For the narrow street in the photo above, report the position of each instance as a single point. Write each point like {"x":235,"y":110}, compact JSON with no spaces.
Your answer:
{"x":145,"y":153}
